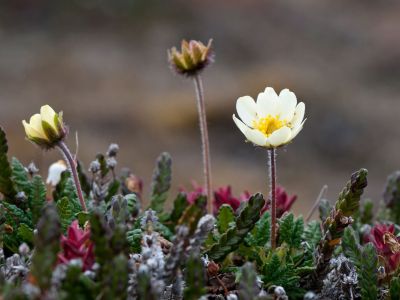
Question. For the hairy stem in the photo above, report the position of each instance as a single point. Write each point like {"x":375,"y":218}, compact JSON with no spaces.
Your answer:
{"x":272,"y":186}
{"x":204,"y":140}
{"x":73,"y":169}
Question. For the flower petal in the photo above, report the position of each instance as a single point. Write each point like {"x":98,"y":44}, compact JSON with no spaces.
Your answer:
{"x":35,"y":123}
{"x":280,"y":136}
{"x":286,"y":104}
{"x":256,"y":137}
{"x":298,"y":115}
{"x":247,"y":109}
{"x":29,"y":131}
{"x":267,"y":102}
{"x":243,"y":128}
{"x":296,"y":130}
{"x":48,"y":115}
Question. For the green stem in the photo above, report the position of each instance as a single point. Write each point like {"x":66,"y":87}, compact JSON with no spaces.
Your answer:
{"x":272,"y":185}
{"x":204,"y":140}
{"x":73,"y":169}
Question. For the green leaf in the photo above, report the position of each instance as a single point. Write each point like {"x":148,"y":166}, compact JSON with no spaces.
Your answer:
{"x":368,"y":275}
{"x":193,"y":213}
{"x":312,"y":233}
{"x":281,"y":273}
{"x":365,"y":260}
{"x":225,"y":217}
{"x":291,"y":230}
{"x":14,"y":217}
{"x":47,"y":246}
{"x":82,"y":218}
{"x":351,"y":247}
{"x":25,"y":233}
{"x":194,"y":278}
{"x":66,"y":212}
{"x":245,"y":222}
{"x":349,"y":198}
{"x":180,"y":204}
{"x":75,"y":285}
{"x":83,"y":179}
{"x":6,"y":184}
{"x":133,"y":204}
{"x":367,"y":213}
{"x":112,"y":190}
{"x":161,"y":182}
{"x":20,"y":176}
{"x":261,"y":233}
{"x":395,"y":288}
{"x":65,"y":188}
{"x":249,"y":289}
{"x":37,"y":197}
{"x":134,"y":238}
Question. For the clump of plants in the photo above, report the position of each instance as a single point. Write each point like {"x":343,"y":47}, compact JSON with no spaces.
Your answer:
{"x":89,"y":235}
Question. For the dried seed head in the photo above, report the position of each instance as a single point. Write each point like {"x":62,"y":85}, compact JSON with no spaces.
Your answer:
{"x":193,"y":57}
{"x":112,"y":150}
{"x":32,"y":169}
{"x":94,"y":166}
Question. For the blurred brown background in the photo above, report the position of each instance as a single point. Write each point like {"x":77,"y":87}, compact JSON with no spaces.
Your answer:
{"x":104,"y":64}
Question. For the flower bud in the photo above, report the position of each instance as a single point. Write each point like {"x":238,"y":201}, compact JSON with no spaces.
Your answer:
{"x":193,"y":57}
{"x":45,"y":129}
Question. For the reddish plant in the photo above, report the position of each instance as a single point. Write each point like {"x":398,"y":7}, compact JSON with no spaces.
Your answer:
{"x":386,"y":244}
{"x":283,"y":202}
{"x":222,"y":195}
{"x":77,"y":245}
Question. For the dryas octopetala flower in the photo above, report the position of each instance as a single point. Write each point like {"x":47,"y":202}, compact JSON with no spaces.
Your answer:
{"x":45,"y":129}
{"x":193,"y":57}
{"x":273,"y":120}
{"x":55,"y":170}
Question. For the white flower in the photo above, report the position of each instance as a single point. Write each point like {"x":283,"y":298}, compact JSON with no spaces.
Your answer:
{"x":273,"y":120}
{"x":55,"y":171}
{"x":45,"y":129}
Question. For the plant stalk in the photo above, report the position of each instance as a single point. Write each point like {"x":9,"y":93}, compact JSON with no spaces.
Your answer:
{"x":272,"y":185}
{"x":204,"y":140}
{"x":73,"y":169}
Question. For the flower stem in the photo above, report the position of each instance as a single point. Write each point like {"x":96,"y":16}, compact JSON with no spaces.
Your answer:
{"x":204,"y":139}
{"x":272,"y":185}
{"x":73,"y":168}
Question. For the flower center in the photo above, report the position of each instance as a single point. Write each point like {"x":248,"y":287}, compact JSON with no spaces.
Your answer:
{"x":268,"y":124}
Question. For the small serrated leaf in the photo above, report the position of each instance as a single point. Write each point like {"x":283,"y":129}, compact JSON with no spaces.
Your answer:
{"x":161,"y":182}
{"x":20,"y":176}
{"x":6,"y":185}
{"x":37,"y":198}
{"x":291,"y":230}
{"x":65,"y":212}
{"x":225,"y":217}
{"x":25,"y":233}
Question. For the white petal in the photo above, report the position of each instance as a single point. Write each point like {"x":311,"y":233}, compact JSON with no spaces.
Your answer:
{"x":246,"y":108}
{"x":296,"y":130}
{"x":243,"y":128}
{"x":286,"y":104}
{"x":256,"y":137}
{"x":35,"y":122}
{"x":280,"y":136}
{"x":55,"y":171}
{"x":267,"y":102}
{"x":298,"y":115}
{"x":48,"y":114}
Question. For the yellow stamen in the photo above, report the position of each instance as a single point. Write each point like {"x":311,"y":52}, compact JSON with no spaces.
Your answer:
{"x":269,"y":124}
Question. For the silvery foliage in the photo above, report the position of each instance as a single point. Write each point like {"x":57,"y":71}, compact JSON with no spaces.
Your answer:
{"x":15,"y":267}
{"x":341,"y":283}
